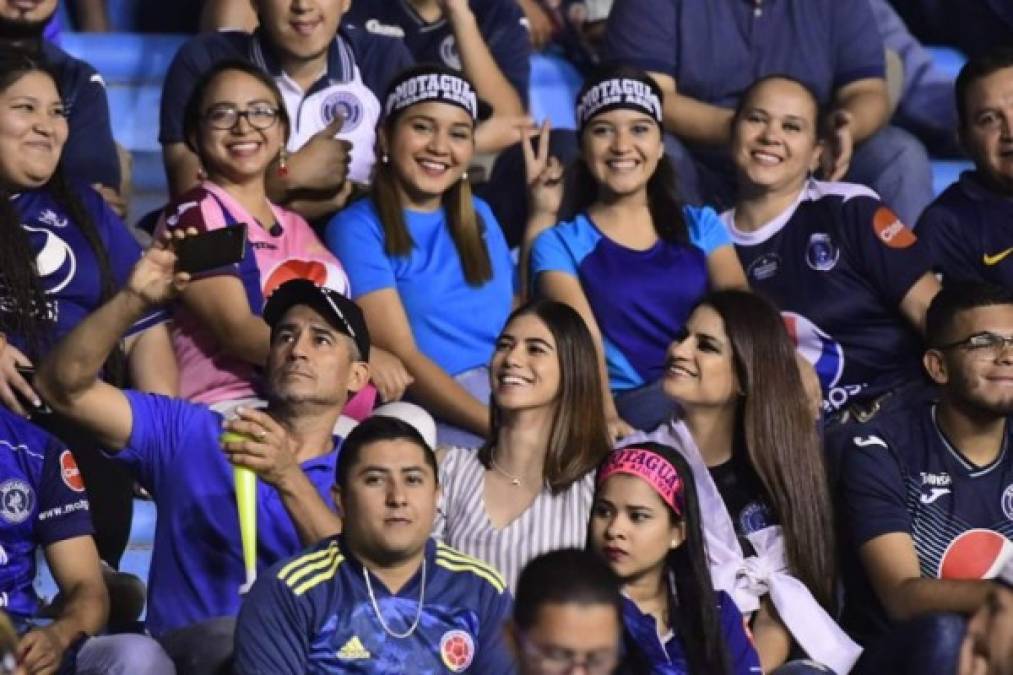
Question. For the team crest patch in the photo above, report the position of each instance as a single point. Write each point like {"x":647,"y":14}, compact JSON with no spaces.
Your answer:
{"x":16,"y":501}
{"x":890,"y":230}
{"x":70,"y":473}
{"x":347,"y":105}
{"x":764,"y":267}
{"x":448,"y":53}
{"x":821,"y":254}
{"x":1007,"y":501}
{"x":457,"y":649}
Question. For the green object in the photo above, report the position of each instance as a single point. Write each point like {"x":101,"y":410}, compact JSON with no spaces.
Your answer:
{"x":246,"y":505}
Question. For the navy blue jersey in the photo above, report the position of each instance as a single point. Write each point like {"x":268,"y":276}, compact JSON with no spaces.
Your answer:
{"x":837,"y":264}
{"x":89,"y":155}
{"x":668,"y":657}
{"x":313,"y":614}
{"x":500,"y":22}
{"x":42,"y":501}
{"x":969,"y":232}
{"x":360,"y":65}
{"x":66,"y":263}
{"x":901,"y":474}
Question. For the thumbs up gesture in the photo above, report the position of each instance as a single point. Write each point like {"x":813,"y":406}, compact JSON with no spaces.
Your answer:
{"x":321,"y":165}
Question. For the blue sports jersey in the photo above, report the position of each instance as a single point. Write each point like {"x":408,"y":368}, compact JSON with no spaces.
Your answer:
{"x":969,"y":232}
{"x":313,"y":614}
{"x":360,"y":65}
{"x":453,"y":323}
{"x":901,"y":474}
{"x":639,"y":314}
{"x":197,"y":561}
{"x":715,"y":49}
{"x":42,"y":501}
{"x":66,"y":264}
{"x":669,"y":657}
{"x":500,"y":22}
{"x":838,"y":263}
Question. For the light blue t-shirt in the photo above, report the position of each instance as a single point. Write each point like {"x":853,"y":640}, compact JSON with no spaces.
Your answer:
{"x":453,"y":323}
{"x":640,"y":299}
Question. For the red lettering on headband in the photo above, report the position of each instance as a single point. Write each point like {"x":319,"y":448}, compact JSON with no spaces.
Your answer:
{"x":649,"y":466}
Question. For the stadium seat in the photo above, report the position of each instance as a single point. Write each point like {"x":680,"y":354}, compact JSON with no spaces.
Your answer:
{"x":947,"y":59}
{"x":552,"y":89}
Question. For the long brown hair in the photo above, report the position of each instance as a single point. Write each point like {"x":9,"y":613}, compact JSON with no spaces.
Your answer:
{"x":466,"y":226}
{"x":781,"y":438}
{"x":579,"y":438}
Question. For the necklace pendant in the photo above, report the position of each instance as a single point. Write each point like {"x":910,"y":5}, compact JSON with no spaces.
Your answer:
{"x":516,"y":482}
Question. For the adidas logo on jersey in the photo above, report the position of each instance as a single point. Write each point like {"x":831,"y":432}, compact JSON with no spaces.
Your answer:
{"x":353,"y":650}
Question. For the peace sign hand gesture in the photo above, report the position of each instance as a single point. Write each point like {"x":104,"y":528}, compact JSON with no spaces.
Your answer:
{"x":544,"y":175}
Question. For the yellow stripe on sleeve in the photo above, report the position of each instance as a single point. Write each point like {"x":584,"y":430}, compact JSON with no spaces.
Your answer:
{"x":320,"y":578}
{"x":494,"y":579}
{"x":307,"y":559}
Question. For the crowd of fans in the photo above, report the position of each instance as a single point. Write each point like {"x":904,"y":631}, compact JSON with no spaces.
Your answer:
{"x":710,"y":384}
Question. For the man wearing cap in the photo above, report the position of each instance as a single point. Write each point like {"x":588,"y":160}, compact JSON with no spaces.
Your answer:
{"x":319,"y":347}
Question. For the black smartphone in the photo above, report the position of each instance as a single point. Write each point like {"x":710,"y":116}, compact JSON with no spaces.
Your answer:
{"x":211,"y":250}
{"x":28,"y":373}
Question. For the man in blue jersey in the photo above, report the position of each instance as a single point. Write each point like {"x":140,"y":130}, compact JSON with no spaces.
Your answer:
{"x":43,"y":504}
{"x":330,"y":80}
{"x":382,"y":597}
{"x":968,"y":227}
{"x":927,"y":491}
{"x":319,"y":347}
{"x":90,"y":154}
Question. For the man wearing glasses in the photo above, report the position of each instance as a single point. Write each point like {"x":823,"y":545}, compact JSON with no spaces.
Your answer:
{"x":928,"y":488}
{"x":568,"y":615}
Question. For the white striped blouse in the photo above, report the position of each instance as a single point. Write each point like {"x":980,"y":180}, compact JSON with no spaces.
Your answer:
{"x":550,"y":523}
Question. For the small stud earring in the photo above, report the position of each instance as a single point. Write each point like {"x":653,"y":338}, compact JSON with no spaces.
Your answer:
{"x":385,"y":158}
{"x":464,"y":176}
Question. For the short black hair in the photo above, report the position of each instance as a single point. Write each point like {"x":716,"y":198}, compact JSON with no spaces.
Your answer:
{"x":564,"y":576}
{"x":373,"y":430}
{"x":958,"y":297}
{"x":975,"y":69}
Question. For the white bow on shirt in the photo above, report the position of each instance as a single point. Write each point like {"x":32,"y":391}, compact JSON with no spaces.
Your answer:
{"x":747,"y":579}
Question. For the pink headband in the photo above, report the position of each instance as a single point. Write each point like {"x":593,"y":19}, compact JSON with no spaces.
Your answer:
{"x":651,"y":467}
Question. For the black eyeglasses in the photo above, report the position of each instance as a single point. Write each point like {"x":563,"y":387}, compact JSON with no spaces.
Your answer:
{"x":983,"y":346}
{"x":225,"y":116}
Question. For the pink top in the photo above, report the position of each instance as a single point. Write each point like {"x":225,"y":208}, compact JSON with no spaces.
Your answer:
{"x":289,"y":250}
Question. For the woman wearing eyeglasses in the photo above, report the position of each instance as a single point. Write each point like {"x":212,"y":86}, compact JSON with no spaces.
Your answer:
{"x":236,"y":123}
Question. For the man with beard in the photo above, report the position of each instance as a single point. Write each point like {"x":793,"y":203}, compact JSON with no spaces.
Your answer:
{"x":928,"y":488}
{"x":90,"y":153}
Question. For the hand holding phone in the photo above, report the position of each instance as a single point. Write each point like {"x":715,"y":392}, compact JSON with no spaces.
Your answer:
{"x":211,"y":250}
